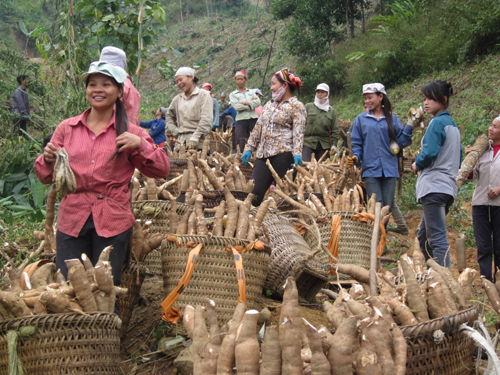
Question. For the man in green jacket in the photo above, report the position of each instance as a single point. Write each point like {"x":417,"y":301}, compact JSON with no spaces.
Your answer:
{"x":322,"y":130}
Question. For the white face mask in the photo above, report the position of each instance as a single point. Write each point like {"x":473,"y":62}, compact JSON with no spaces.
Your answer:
{"x":279,"y":94}
{"x":323,"y":104}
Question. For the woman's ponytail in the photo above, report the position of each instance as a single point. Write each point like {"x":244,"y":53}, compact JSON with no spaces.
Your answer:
{"x":121,"y":119}
{"x":386,"y":105}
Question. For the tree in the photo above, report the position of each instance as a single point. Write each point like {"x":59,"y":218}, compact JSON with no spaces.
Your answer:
{"x":312,"y":30}
{"x":83,"y":27}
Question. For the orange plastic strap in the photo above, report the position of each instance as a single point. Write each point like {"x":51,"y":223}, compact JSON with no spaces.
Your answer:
{"x":363,"y":218}
{"x":333,"y":244}
{"x":172,"y":314}
{"x":238,"y":262}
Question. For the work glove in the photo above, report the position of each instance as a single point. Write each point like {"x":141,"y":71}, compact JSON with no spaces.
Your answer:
{"x":192,"y":144}
{"x":245,"y":158}
{"x":351,"y":161}
{"x":214,"y":128}
{"x":25,"y":117}
{"x":297,"y":160}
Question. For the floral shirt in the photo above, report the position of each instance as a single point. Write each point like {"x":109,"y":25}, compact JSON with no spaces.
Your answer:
{"x":279,"y":129}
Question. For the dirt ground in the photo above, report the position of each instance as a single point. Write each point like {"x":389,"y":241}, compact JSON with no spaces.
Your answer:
{"x":146,"y":327}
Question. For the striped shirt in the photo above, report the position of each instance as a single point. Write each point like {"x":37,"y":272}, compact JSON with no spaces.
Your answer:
{"x":102,"y":185}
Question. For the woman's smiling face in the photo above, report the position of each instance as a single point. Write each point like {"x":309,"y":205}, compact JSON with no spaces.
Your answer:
{"x":102,"y":91}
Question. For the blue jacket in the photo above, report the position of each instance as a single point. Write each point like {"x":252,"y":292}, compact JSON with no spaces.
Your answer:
{"x":157,"y":130}
{"x":370,"y":144}
{"x":232,"y":112}
{"x":440,"y":158}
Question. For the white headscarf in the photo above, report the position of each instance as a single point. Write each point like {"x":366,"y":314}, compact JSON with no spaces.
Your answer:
{"x":185,"y":71}
{"x":323,"y":104}
{"x":498,"y":118}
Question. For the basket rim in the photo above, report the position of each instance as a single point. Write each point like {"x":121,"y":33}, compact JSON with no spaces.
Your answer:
{"x":444,"y":323}
{"x":47,"y":321}
{"x":208,"y":239}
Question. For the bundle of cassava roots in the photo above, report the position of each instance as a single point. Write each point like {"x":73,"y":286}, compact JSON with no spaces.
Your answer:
{"x":89,"y":289}
{"x":294,"y":347}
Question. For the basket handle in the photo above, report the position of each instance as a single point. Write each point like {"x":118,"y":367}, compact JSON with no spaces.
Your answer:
{"x":172,"y":314}
{"x":240,"y":274}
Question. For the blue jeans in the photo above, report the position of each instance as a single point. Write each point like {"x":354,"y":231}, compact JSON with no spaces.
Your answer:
{"x":383,"y":187}
{"x":432,"y":233}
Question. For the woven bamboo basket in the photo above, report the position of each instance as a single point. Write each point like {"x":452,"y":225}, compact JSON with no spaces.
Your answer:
{"x":292,"y":256}
{"x":452,"y":356}
{"x":160,"y":218}
{"x":247,"y":171}
{"x":220,"y":147}
{"x":214,"y":274}
{"x":354,"y":241}
{"x":153,"y":263}
{"x":65,"y":344}
{"x":132,"y":279}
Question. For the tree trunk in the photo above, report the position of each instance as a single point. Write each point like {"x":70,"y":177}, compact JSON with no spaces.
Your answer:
{"x":351,"y":19}
{"x":381,"y":7}
{"x":347,"y":18}
{"x":268,"y":59}
{"x":182,"y":20}
{"x":363,"y":15}
{"x":208,"y":10}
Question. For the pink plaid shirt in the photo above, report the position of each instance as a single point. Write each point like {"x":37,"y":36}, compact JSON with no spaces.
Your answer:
{"x":102,"y":185}
{"x":132,"y":101}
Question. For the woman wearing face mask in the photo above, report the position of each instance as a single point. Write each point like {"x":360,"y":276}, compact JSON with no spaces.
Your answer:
{"x":191,"y":113}
{"x":322,"y":131}
{"x":104,"y":150}
{"x":377,"y":137}
{"x":278,"y":134}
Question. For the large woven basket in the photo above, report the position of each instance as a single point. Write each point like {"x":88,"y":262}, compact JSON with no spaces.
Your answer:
{"x":354,"y":241}
{"x":220,"y":147}
{"x":452,"y":356}
{"x":153,"y":263}
{"x":161,"y":218}
{"x":65,"y":344}
{"x":214,"y":274}
{"x":132,"y":279}
{"x":212,"y":198}
{"x":292,"y":256}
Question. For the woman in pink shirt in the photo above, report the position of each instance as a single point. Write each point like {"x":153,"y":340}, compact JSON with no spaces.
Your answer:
{"x":104,"y":150}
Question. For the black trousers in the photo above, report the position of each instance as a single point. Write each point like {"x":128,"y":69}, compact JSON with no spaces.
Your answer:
{"x":263,"y":177}
{"x":90,"y":243}
{"x":486,"y":221}
{"x":318,"y":152}
{"x":243,"y":130}
{"x":18,"y":125}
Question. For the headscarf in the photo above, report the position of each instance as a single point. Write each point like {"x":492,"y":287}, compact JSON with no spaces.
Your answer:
{"x":323,"y":104}
{"x":287,"y":75}
{"x":240,"y":73}
{"x":498,"y":118}
{"x":185,"y":71}
{"x":208,"y":86}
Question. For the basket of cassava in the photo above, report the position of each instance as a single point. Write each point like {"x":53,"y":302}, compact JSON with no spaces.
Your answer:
{"x":70,"y":343}
{"x":353,"y":243}
{"x":215,"y":274}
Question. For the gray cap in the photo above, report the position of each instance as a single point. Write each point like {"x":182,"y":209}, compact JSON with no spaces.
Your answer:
{"x":163,"y":110}
{"x":115,"y":56}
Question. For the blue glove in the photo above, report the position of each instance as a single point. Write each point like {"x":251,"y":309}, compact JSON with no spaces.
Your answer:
{"x":214,"y":127}
{"x":26,"y":117}
{"x":298,"y":160}
{"x":246,"y":158}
